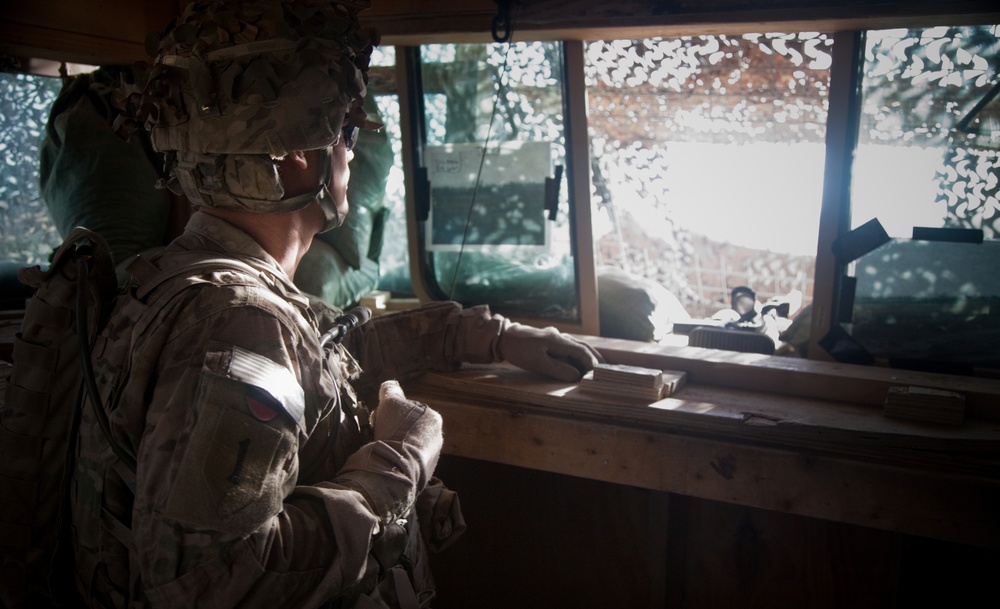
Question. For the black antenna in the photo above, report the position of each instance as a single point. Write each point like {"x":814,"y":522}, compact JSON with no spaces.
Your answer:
{"x":503,"y":7}
{"x":963,"y":125}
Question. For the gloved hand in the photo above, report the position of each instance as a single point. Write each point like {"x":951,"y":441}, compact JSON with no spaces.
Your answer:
{"x":547,"y":351}
{"x":393,"y":469}
{"x":414,"y":427}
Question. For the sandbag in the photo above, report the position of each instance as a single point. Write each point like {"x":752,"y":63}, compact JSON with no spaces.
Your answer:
{"x":636,"y":308}
{"x":342,"y":264}
{"x":361,"y":234}
{"x":90,"y":176}
{"x":325,"y":274}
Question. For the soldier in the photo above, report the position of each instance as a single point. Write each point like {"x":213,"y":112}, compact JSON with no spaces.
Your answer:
{"x":229,"y":461}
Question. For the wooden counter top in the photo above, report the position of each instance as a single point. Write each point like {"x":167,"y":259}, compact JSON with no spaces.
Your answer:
{"x":831,"y":459}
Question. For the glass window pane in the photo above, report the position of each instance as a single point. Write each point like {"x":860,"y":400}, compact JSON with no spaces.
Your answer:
{"x":27,"y":233}
{"x":929,"y":139}
{"x":498,"y":230}
{"x":394,"y":266}
{"x":708,"y":157}
{"x":929,"y":156}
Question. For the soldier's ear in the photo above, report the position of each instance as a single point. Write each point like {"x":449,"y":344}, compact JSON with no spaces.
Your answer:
{"x":299,"y":173}
{"x":297,"y":158}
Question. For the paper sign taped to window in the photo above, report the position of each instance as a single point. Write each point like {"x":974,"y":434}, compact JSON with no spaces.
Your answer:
{"x":488,"y":200}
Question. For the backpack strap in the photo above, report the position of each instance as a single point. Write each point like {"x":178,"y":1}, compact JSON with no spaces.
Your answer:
{"x":151,"y":277}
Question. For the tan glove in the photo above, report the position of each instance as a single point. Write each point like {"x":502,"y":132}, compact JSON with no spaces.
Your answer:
{"x":547,"y":351}
{"x":391,"y":471}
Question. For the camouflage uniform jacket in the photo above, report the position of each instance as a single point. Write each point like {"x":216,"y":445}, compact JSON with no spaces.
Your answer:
{"x":239,"y":423}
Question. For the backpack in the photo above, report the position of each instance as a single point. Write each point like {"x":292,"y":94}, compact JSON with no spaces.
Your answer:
{"x":40,"y":414}
{"x":39,"y":418}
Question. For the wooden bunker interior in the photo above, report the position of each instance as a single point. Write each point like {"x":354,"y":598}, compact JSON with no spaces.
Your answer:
{"x":755,"y":487}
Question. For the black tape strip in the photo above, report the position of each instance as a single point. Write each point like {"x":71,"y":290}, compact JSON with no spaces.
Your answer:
{"x":845,"y":310}
{"x":843,"y":348}
{"x":950,"y":235}
{"x":552,"y":193}
{"x":855,"y":244}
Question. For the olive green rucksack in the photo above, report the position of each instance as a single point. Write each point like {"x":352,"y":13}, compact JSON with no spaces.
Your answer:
{"x":40,"y":414}
{"x":39,"y":419}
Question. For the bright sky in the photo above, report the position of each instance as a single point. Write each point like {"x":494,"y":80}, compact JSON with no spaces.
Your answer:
{"x":768,"y":196}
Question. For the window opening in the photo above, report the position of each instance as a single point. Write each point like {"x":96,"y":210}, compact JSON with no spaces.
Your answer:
{"x":394,"y":266}
{"x":27,"y":233}
{"x":707,"y":161}
{"x":927,"y":151}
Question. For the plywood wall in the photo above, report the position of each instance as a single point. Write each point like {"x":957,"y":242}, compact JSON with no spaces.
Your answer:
{"x":96,"y":32}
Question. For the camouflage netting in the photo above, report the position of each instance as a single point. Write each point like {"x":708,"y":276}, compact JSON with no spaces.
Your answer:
{"x":237,"y":85}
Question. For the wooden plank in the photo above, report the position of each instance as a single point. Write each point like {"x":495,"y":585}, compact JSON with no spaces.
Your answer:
{"x":910,"y":500}
{"x":764,"y":418}
{"x":863,"y":385}
{"x":776,"y":561}
{"x":565,"y":541}
{"x":125,"y":20}
{"x":578,"y":183}
{"x":601,"y":16}
{"x":33,"y":41}
{"x":437,"y":8}
{"x":835,"y":212}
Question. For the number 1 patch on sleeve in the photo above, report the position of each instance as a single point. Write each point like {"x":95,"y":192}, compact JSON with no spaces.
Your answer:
{"x":231,"y":477}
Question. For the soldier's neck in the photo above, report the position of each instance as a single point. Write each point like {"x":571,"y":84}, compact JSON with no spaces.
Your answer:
{"x":286,"y":236}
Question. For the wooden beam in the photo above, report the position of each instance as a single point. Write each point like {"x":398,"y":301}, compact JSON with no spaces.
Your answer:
{"x":406,"y":22}
{"x":581,"y":207}
{"x":908,"y":500}
{"x":861,"y":385}
{"x":111,"y":32}
{"x":26,"y":40}
{"x":835,"y":216}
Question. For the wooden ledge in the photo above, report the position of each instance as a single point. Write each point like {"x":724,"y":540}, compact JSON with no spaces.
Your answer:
{"x":823,"y":459}
{"x":788,"y":376}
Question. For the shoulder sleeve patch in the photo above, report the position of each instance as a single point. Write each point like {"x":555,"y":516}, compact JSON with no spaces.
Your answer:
{"x":234,"y":473}
{"x":274,"y":380}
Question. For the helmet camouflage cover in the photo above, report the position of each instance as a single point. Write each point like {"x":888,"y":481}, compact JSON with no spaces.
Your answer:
{"x":238,"y":84}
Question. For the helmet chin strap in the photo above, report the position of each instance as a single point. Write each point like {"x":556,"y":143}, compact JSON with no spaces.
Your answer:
{"x":321,"y":195}
{"x":324,"y":198}
{"x":329,"y":207}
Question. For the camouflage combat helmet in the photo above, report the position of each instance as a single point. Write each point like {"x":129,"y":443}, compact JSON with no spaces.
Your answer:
{"x":238,"y":84}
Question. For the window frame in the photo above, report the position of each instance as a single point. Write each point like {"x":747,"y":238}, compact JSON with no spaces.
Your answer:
{"x":847,"y":27}
{"x":841,"y":142}
{"x":842,"y":123}
{"x":578,"y":181}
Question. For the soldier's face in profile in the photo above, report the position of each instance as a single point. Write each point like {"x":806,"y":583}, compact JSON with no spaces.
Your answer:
{"x":340,"y":174}
{"x":301,"y":173}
